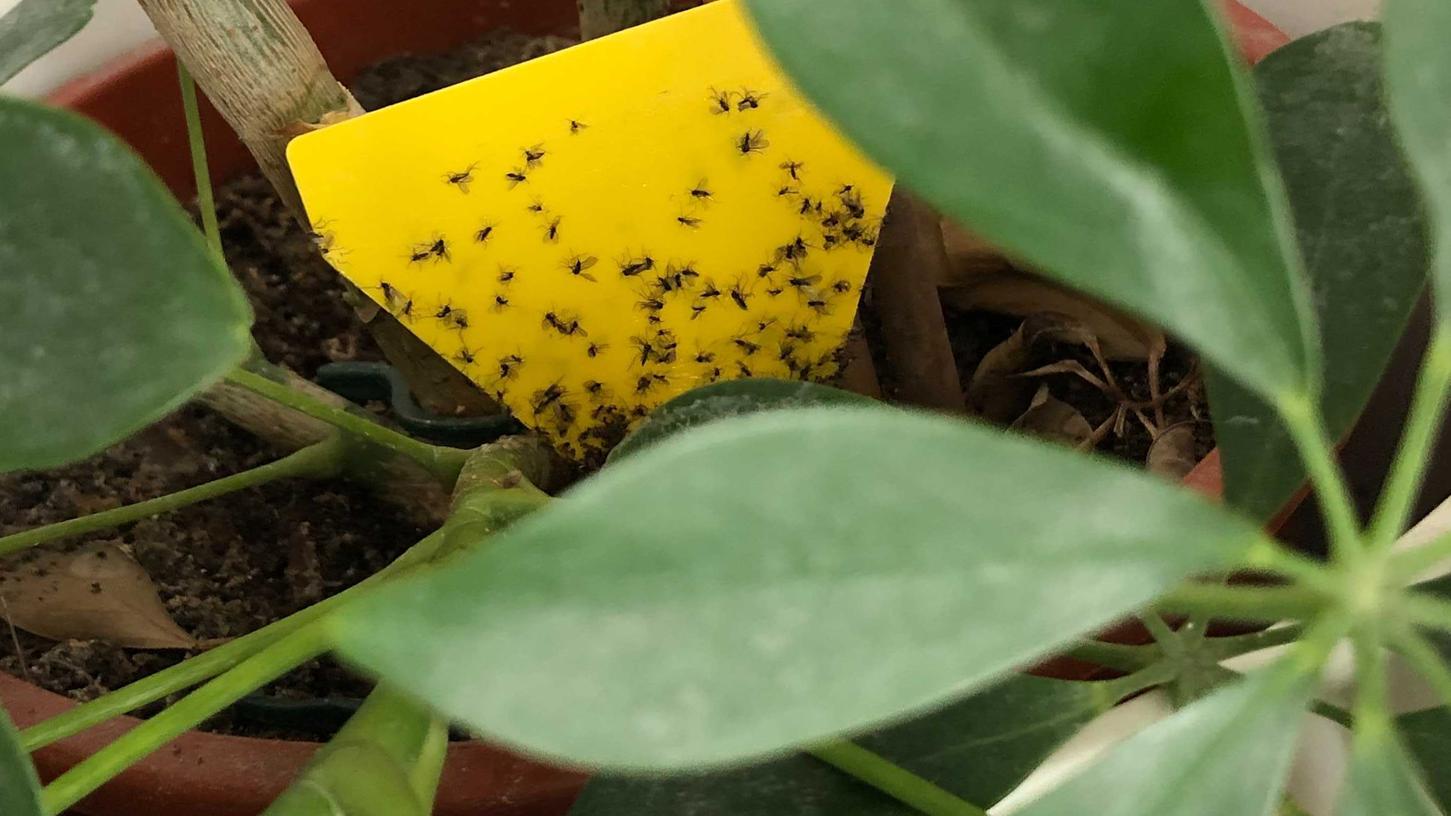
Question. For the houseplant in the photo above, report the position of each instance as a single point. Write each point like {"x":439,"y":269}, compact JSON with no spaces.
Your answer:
{"x":496,"y":498}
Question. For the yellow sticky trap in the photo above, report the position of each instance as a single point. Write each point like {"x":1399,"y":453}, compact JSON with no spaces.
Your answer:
{"x":595,"y":231}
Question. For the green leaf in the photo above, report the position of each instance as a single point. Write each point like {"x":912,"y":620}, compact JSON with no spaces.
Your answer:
{"x":384,"y":762}
{"x":1418,"y":79}
{"x":1359,"y":222}
{"x":775,"y":580}
{"x":1227,"y":753}
{"x":1427,"y":735}
{"x":116,"y":310}
{"x":979,"y":748}
{"x":1382,"y":780}
{"x":726,"y":399}
{"x":1115,"y":146}
{"x":19,"y":789}
{"x":33,"y":27}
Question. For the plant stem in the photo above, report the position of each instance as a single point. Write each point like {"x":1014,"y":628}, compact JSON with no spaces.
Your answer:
{"x":1113,"y":655}
{"x":1426,"y":610}
{"x":1408,"y":566}
{"x":1422,"y":656}
{"x":442,"y":462}
{"x":1302,"y":420}
{"x":253,"y":673}
{"x":316,"y":461}
{"x":206,"y":666}
{"x":1161,"y":632}
{"x":894,"y":780}
{"x":1227,"y":647}
{"x":1428,"y":408}
{"x":1244,"y":603}
{"x":1117,"y":690}
{"x":197,"y":142}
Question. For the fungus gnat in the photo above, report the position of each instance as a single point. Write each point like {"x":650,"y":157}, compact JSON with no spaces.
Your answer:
{"x":720,"y":101}
{"x":577,"y":265}
{"x":507,"y":274}
{"x":509,"y":366}
{"x":551,"y":230}
{"x":750,"y":100}
{"x":793,"y":169}
{"x":575,"y":126}
{"x":630,"y":266}
{"x":752,"y":141}
{"x":516,"y":177}
{"x":701,"y":192}
{"x":690,"y":222}
{"x":533,"y":156}
{"x":594,"y":349}
{"x":566,"y":325}
{"x":462,"y":178}
{"x":484,"y":234}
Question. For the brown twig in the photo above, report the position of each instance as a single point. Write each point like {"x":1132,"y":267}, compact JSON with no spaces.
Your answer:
{"x":909,"y":260}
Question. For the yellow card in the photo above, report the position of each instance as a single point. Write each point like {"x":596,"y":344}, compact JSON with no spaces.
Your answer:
{"x":595,"y":231}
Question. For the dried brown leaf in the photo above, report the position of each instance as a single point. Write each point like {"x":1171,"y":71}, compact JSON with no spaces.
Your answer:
{"x":1070,"y":367}
{"x":1172,"y":453}
{"x":995,"y":392}
{"x":1120,"y":336}
{"x":94,"y":592}
{"x":1053,"y":419}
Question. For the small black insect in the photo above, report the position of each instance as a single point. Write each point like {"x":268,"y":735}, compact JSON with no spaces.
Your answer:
{"x":436,"y":249}
{"x":575,"y":126}
{"x":484,"y":234}
{"x":697,"y":309}
{"x":551,"y":230}
{"x":462,"y":179}
{"x":830,"y":240}
{"x":701,"y":192}
{"x":507,"y":274}
{"x":648,"y":381}
{"x":807,"y":205}
{"x":536,"y":206}
{"x":744,"y":369}
{"x":687,"y":221}
{"x":800,"y":332}
{"x":705,"y":357}
{"x":710,"y":291}
{"x":852,"y":201}
{"x":775,"y":291}
{"x":516,"y":177}
{"x":459,"y":319}
{"x":650,"y":304}
{"x":750,"y":100}
{"x":720,"y":101}
{"x":565,"y":325}
{"x":714,"y":375}
{"x":787,"y":191}
{"x":740,"y":296}
{"x":645,"y":346}
{"x":819,"y":305}
{"x":594,"y":387}
{"x":443,"y":312}
{"x":793,"y":169}
{"x":577,"y":265}
{"x":801,"y":283}
{"x":594,"y":349}
{"x":509,"y":366}
{"x":632,"y":266}
{"x":533,"y":156}
{"x":752,"y":141}
{"x":465,"y":356}
{"x":794,"y":252}
{"x":500,"y":303}
{"x":765,"y":270}
{"x":841,"y":287}
{"x":546,"y":397}
{"x":831,"y":220}
{"x":746,"y":346}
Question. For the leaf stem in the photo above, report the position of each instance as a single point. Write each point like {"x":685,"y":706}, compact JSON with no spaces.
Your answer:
{"x":1428,"y":408}
{"x":197,"y":142}
{"x":1422,"y":656}
{"x":1227,"y":647}
{"x":1161,"y":632}
{"x":1246,"y":603}
{"x":893,"y":780}
{"x":1307,"y":429}
{"x":316,"y":461}
{"x":1113,"y":655}
{"x":442,"y":462}
{"x":249,"y":675}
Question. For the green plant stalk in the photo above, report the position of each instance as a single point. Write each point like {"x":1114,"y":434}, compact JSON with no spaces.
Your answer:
{"x":1317,"y":451}
{"x":1407,"y":566}
{"x":206,"y":666}
{"x":317,"y":461}
{"x":893,"y":780}
{"x":1422,"y":656}
{"x":1161,"y":632}
{"x":253,"y":673}
{"x":1113,"y":655}
{"x":444,"y":463}
{"x":1227,"y":647}
{"x":197,"y":142}
{"x":1426,"y":610}
{"x":1428,"y":408}
{"x":1243,"y":602}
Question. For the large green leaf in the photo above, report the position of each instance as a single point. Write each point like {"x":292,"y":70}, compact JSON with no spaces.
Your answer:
{"x":33,"y":27}
{"x":1226,"y":753}
{"x":727,"y":399}
{"x":1418,"y":78}
{"x":116,"y":311}
{"x":1115,"y":145}
{"x":778,"y":579}
{"x":19,"y":789}
{"x":1382,"y":780}
{"x":1428,"y":737}
{"x":979,"y":748}
{"x":384,"y":762}
{"x":1359,"y":222}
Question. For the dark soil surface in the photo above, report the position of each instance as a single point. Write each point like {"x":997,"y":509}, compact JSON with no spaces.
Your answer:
{"x":230,"y":566}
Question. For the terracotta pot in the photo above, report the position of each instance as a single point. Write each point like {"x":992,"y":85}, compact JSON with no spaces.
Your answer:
{"x":215,"y":775}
